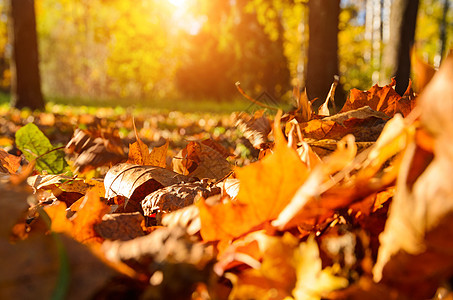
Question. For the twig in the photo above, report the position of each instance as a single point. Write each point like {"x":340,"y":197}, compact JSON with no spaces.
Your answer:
{"x":253,"y":100}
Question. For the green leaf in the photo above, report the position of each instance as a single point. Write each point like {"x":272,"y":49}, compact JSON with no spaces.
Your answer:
{"x":35,"y":145}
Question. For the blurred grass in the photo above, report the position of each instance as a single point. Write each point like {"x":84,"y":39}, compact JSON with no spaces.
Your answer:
{"x":166,"y":105}
{"x":86,"y":105}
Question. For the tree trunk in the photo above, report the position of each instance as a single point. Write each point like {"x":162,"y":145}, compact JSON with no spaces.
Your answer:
{"x":25,"y":79}
{"x":397,"y":63}
{"x":322,"y":62}
{"x":443,"y":29}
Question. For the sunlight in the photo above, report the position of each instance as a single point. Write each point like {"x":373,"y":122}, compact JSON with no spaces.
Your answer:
{"x":177,"y":3}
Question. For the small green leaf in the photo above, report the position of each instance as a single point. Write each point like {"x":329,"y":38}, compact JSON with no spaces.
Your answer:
{"x":33,"y":143}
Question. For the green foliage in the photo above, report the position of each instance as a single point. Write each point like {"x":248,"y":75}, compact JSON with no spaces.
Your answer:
{"x":235,"y":49}
{"x":427,"y":33}
{"x":150,"y":49}
{"x":35,"y":145}
{"x":355,"y":71}
{"x":105,"y":49}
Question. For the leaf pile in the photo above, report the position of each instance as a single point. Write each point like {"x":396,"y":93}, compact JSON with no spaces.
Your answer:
{"x":353,"y":205}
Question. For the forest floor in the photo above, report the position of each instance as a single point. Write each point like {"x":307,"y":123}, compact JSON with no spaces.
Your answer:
{"x":162,"y":204}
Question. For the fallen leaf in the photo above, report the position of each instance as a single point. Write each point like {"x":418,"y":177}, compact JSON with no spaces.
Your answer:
{"x":364,"y":112}
{"x":158,"y":155}
{"x":384,"y":99}
{"x":266,"y":187}
{"x":9,"y":163}
{"x":256,"y":128}
{"x":135,"y":182}
{"x":303,"y":111}
{"x":38,"y":259}
{"x":324,"y":109}
{"x":176,"y":196}
{"x":13,"y":206}
{"x":423,"y":186}
{"x":35,"y":145}
{"x":139,"y":153}
{"x":423,"y":72}
{"x":200,"y":160}
{"x":95,"y":148}
{"x":187,"y":217}
{"x":313,"y":185}
{"x":81,"y":225}
{"x":121,"y":227}
{"x":296,"y":274}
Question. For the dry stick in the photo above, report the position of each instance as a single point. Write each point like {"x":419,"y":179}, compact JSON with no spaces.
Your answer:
{"x":330,"y":96}
{"x":253,"y":100}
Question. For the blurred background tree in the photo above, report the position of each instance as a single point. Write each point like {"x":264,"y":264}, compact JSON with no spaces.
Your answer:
{"x":24,"y":63}
{"x":178,"y":49}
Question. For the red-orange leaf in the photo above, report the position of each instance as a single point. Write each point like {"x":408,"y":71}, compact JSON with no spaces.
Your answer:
{"x":266,"y":188}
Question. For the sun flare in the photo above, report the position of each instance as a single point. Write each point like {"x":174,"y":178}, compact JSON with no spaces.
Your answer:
{"x":178,"y":3}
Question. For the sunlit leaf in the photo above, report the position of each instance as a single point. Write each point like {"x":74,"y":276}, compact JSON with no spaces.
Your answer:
{"x":9,"y":163}
{"x":266,"y":187}
{"x":35,"y":145}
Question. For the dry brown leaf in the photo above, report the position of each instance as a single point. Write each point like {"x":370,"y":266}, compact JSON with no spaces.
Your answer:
{"x":81,"y":225}
{"x":135,"y":182}
{"x":121,"y":227}
{"x":163,"y":246}
{"x":176,"y":196}
{"x":139,"y":153}
{"x":64,"y":188}
{"x":95,"y":148}
{"x":423,"y":202}
{"x":37,"y":260}
{"x":13,"y":205}
{"x":9,"y":163}
{"x":296,"y":274}
{"x":423,"y":72}
{"x":384,"y":99}
{"x":158,"y":155}
{"x":266,"y":188}
{"x":313,"y":186}
{"x":303,"y":111}
{"x":202,"y":160}
{"x":324,"y":109}
{"x":256,"y":128}
{"x":364,"y":112}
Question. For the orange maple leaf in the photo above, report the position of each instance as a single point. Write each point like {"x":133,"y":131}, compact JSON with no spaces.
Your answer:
{"x":81,"y":225}
{"x":266,"y":187}
{"x":384,"y":99}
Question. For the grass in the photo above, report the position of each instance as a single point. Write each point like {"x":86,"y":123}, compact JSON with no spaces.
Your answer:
{"x":86,"y":105}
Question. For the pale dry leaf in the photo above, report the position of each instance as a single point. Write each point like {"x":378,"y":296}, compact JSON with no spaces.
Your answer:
{"x":304,"y":109}
{"x":426,"y":190}
{"x":187,"y":217}
{"x":202,"y":160}
{"x":124,"y":179}
{"x":256,"y":128}
{"x":360,"y":113}
{"x":123,"y":227}
{"x":231,"y":187}
{"x":176,"y":196}
{"x":95,"y":148}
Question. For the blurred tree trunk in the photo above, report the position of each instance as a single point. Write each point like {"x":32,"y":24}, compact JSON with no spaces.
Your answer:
{"x":397,"y":63}
{"x":25,"y":79}
{"x":322,"y":62}
{"x":443,"y":28}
